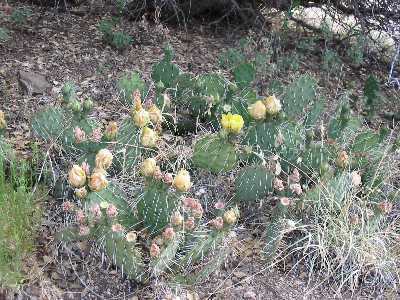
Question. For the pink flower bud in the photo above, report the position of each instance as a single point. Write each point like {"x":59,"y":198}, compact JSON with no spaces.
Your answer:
{"x":96,"y":211}
{"x":168,"y":178}
{"x":278,"y":185}
{"x":68,"y":206}
{"x":217,"y":223}
{"x":154,"y":250}
{"x":385,"y":207}
{"x":190,"y":223}
{"x":84,"y":230}
{"x":219,"y":205}
{"x":96,"y":135}
{"x":296,"y":189}
{"x":112,"y":211}
{"x":80,"y":135}
{"x":168,"y":233}
{"x":117,"y":227}
{"x":295,"y":176}
{"x":80,"y":216}
{"x":85,"y":167}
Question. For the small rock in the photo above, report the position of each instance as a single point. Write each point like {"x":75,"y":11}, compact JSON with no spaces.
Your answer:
{"x":33,"y":83}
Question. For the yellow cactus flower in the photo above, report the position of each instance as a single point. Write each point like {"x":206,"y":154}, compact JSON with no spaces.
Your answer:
{"x":155,"y":114}
{"x":98,"y":181}
{"x":272,"y":105}
{"x":182,"y":181}
{"x":149,"y":137}
{"x":141,"y":118}
{"x":232,"y":123}
{"x":77,"y":176}
{"x":230,"y":216}
{"x":3,"y":123}
{"x":258,"y":110}
{"x":149,"y":167}
{"x":104,"y":159}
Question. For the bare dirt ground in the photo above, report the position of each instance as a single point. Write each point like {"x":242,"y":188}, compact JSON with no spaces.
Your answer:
{"x":67,"y":47}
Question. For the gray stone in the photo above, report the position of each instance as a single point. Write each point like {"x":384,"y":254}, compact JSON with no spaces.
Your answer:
{"x":33,"y":83}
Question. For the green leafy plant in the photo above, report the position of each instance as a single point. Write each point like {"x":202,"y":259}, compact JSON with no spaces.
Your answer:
{"x":19,"y":15}
{"x":371,"y":94}
{"x":4,"y":35}
{"x":117,"y":39}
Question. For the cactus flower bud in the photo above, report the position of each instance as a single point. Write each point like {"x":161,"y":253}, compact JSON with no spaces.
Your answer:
{"x":104,"y":159}
{"x":117,"y":227}
{"x":219,"y":205}
{"x":232,"y":123}
{"x":197,"y":210}
{"x":111,"y":131}
{"x":84,"y":230}
{"x":285,"y":201}
{"x":155,"y":114}
{"x":80,"y":216}
{"x":182,"y":181}
{"x":168,"y":178}
{"x":148,"y":167}
{"x":158,"y":175}
{"x":154,"y":250}
{"x":137,"y":100}
{"x":141,"y":118}
{"x":168,"y":233}
{"x":96,"y":135}
{"x":385,"y":207}
{"x":81,"y":193}
{"x":217,"y":223}
{"x":190,"y":223}
{"x":176,"y":219}
{"x":96,"y":211}
{"x":88,"y":104}
{"x":3,"y":123}
{"x":149,"y":138}
{"x":112,"y":211}
{"x":98,"y":181}
{"x":272,"y":105}
{"x":85,"y":166}
{"x":68,"y":206}
{"x":278,"y":185}
{"x":355,"y":178}
{"x":295,"y":176}
{"x":296,"y":189}
{"x":230,"y":216}
{"x":257,"y":110}
{"x":131,"y":237}
{"x":342,"y":160}
{"x":77,"y":176}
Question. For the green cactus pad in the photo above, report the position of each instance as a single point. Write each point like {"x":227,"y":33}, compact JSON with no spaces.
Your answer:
{"x":127,"y":149}
{"x":124,"y":255}
{"x":212,"y":85}
{"x":114,"y":195}
{"x":129,"y":83}
{"x":165,"y":71}
{"x":167,"y":256}
{"x":244,"y":74}
{"x":156,"y":205}
{"x":253,"y":183}
{"x":299,"y":95}
{"x":215,"y":154}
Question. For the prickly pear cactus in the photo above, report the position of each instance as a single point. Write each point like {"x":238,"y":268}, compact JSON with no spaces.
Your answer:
{"x":299,"y":95}
{"x":165,"y":71}
{"x":155,"y":205}
{"x":129,"y":83}
{"x":214,"y":153}
{"x":244,"y":74}
{"x":253,"y":183}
